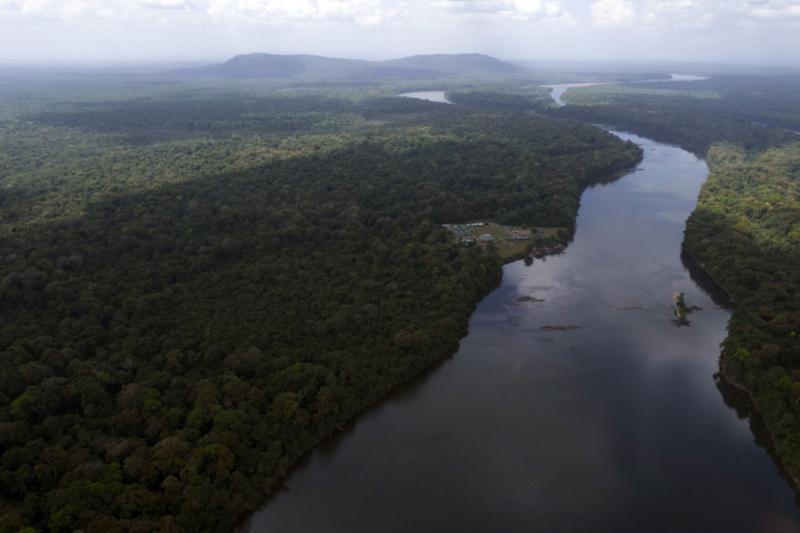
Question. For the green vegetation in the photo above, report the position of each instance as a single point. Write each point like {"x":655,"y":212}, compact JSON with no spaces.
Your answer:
{"x":746,"y":233}
{"x":772,"y":100}
{"x":685,"y":121}
{"x":507,"y":249}
{"x":515,"y":242}
{"x":198,"y":287}
{"x":522,"y":100}
{"x":610,"y":93}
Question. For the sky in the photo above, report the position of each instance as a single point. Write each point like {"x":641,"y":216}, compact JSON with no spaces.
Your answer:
{"x":148,"y":31}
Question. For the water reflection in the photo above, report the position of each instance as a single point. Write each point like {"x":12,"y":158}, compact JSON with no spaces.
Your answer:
{"x":615,"y":426}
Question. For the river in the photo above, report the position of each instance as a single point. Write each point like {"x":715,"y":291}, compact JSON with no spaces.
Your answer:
{"x":557,"y":91}
{"x":431,"y":96}
{"x":617,"y":426}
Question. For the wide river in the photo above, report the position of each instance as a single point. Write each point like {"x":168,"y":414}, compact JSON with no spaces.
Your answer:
{"x":617,"y":426}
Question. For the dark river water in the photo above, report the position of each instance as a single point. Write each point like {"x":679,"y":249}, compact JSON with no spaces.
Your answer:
{"x":617,"y":426}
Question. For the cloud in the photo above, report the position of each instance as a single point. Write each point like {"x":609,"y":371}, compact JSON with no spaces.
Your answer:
{"x":273,"y":12}
{"x":167,"y":5}
{"x":604,"y":14}
{"x":384,"y":28}
{"x":772,"y":10}
{"x":613,"y":13}
{"x":686,"y":16}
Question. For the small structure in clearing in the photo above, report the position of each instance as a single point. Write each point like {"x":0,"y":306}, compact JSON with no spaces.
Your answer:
{"x":510,"y":241}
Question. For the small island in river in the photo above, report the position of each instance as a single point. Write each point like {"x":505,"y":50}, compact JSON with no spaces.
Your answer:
{"x":682,"y":310}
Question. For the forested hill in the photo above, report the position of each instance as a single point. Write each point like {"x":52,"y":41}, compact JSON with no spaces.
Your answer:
{"x":280,"y":66}
{"x":310,"y":67}
{"x":193,"y":298}
{"x":460,"y":65}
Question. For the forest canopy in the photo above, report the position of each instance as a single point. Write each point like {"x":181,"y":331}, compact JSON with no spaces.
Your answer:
{"x":198,"y":288}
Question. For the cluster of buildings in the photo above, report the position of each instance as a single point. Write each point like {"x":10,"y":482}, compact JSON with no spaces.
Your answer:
{"x":465,"y":233}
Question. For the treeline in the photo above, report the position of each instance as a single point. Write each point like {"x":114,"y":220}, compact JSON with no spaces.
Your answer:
{"x":182,"y":320}
{"x":521,"y":102}
{"x":668,"y":112}
{"x":157,"y":119}
{"x":772,"y":100}
{"x":682,"y":121}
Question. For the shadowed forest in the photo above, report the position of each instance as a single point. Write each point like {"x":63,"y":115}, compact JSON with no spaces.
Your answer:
{"x":197,"y":289}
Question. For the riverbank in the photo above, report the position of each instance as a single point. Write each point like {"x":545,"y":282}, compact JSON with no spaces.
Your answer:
{"x":730,"y":380}
{"x":432,"y":345}
{"x":611,"y":414}
{"x":752,"y":257}
{"x":745,"y":253}
{"x":291,"y":284}
{"x":556,"y":242}
{"x":695,"y":263}
{"x":730,"y":358}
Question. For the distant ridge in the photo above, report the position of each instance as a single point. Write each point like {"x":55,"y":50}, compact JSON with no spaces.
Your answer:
{"x":276,"y":66}
{"x":458,"y":64}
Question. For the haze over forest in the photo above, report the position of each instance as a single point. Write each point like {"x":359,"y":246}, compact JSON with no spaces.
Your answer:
{"x":117,"y":31}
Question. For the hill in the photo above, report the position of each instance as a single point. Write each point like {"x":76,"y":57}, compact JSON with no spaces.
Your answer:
{"x":279,"y":66}
{"x":458,"y":64}
{"x":275,"y":66}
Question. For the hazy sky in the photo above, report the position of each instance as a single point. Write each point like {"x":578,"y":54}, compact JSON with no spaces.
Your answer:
{"x":165,"y":30}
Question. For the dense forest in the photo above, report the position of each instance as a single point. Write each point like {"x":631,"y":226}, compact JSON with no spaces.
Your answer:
{"x":745,"y":231}
{"x":196,"y":289}
{"x":502,"y":100}
{"x":682,"y":120}
{"x":765,"y":99}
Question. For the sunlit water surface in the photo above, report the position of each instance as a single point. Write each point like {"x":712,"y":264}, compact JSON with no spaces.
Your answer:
{"x":431,"y":96}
